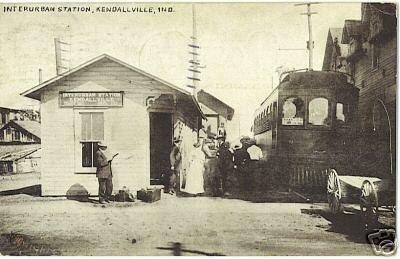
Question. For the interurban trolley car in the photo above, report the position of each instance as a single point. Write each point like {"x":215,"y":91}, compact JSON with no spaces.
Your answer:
{"x":305,"y":127}
{"x":307,"y":130}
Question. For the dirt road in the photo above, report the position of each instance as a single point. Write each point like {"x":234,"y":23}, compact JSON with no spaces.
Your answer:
{"x":37,"y":225}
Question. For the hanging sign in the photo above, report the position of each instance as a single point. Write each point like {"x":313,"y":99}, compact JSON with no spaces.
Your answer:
{"x":91,"y":99}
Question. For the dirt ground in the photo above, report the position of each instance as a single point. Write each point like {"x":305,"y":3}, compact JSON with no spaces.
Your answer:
{"x":195,"y":226}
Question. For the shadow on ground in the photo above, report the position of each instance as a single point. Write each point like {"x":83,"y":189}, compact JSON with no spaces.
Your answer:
{"x":271,"y":196}
{"x":349,"y":224}
{"x":34,"y":190}
{"x":280,"y":194}
{"x":266,"y":196}
{"x":177,"y":249}
{"x":19,"y":244}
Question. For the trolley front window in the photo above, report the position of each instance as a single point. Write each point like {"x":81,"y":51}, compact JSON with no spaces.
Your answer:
{"x":293,"y":112}
{"x":318,"y":112}
{"x":340,"y":114}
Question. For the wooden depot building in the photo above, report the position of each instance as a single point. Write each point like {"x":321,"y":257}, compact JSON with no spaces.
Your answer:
{"x":105,"y":99}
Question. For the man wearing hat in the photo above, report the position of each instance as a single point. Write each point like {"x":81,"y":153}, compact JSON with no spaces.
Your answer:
{"x":103,"y":173}
{"x":225,"y":165}
{"x":175,"y":158}
{"x":241,"y":159}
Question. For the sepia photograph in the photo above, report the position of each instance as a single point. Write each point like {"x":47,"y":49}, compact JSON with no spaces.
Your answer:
{"x":198,"y":129}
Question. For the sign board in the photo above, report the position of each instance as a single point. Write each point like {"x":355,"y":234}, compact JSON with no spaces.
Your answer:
{"x":292,"y":121}
{"x":91,"y":99}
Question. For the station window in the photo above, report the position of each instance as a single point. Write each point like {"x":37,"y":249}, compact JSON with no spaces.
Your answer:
{"x":318,"y":110}
{"x":92,"y":133}
{"x":293,"y":111}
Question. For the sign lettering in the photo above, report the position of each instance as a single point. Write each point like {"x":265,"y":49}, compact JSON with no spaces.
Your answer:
{"x":91,"y":99}
{"x":292,"y":121}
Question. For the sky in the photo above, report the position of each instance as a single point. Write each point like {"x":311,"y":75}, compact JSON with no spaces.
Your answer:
{"x":241,"y":45}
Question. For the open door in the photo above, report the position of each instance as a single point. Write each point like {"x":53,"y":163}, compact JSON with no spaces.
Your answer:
{"x":160,"y":145}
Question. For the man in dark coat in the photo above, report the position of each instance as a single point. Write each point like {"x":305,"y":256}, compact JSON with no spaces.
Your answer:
{"x":104,"y":174}
{"x":241,"y":159}
{"x":225,"y":165}
{"x":175,"y":158}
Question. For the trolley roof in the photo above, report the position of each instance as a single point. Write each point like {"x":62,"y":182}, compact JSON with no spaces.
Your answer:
{"x":316,"y":80}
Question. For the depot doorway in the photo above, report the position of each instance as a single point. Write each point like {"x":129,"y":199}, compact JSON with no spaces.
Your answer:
{"x":160,"y":145}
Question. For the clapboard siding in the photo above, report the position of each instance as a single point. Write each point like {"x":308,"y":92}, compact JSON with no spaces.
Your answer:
{"x":376,"y":83}
{"x":126,"y":128}
{"x":57,"y":140}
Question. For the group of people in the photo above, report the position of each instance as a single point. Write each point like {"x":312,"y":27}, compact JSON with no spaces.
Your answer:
{"x":193,"y":175}
{"x":211,"y":165}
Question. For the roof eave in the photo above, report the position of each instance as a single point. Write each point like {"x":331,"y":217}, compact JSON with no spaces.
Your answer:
{"x":198,"y":107}
{"x":31,"y":92}
{"x":19,"y":126}
{"x":230,"y":110}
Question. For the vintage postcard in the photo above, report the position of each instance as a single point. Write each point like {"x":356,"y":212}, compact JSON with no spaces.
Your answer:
{"x":187,"y":128}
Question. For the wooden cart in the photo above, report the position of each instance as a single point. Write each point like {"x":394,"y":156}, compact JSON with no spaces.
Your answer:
{"x":371,"y":193}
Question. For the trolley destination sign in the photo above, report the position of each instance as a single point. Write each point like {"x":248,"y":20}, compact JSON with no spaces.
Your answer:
{"x":91,"y":99}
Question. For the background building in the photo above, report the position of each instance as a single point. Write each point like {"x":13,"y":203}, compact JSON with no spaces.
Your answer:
{"x":218,"y":114}
{"x":20,"y":132}
{"x":20,"y":158}
{"x":7,"y":114}
{"x":372,"y":60}
{"x":335,"y":51}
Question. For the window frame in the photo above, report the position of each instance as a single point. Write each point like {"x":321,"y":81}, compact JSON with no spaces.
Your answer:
{"x":79,"y":168}
{"x":312,"y":126}
{"x":281,"y":114}
{"x":346,"y":116}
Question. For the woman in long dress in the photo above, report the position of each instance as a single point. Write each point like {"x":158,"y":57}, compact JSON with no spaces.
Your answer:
{"x":195,"y":170}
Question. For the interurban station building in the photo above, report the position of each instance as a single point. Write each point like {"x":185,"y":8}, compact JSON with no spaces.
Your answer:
{"x":105,"y":99}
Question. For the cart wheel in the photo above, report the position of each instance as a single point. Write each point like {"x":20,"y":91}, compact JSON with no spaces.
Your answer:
{"x":334,"y":192}
{"x":368,"y":204}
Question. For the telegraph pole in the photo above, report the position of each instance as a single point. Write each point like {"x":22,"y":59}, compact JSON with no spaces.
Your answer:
{"x":194,"y":63}
{"x":310,"y":43}
{"x":60,"y":60}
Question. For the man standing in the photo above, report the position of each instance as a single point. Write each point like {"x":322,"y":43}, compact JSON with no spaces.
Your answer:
{"x":175,"y":158}
{"x":222,"y":132}
{"x":211,"y":172}
{"x":104,"y":174}
{"x":254,"y":166}
{"x":225,"y":164}
{"x":241,"y":159}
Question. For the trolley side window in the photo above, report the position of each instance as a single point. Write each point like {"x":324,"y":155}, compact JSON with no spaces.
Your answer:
{"x":318,"y":112}
{"x":293,"y":112}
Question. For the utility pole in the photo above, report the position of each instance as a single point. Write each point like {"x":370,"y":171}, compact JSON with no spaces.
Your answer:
{"x":194,"y":63}
{"x":59,"y":50}
{"x":310,"y":43}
